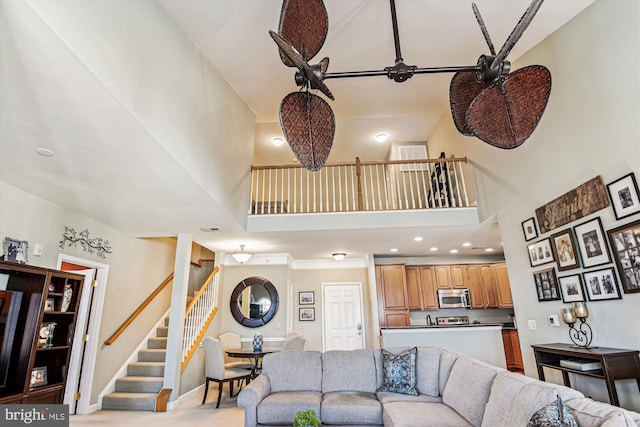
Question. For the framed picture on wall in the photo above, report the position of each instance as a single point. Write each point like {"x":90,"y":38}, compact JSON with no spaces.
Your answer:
{"x":592,"y":244}
{"x":601,"y":284}
{"x":529,"y":229}
{"x":571,"y":288}
{"x":564,"y":248}
{"x":546,"y":284}
{"x":623,"y":193}
{"x":306,"y":298}
{"x":625,"y":244}
{"x":540,"y":252}
{"x":307,"y":314}
{"x":15,"y":250}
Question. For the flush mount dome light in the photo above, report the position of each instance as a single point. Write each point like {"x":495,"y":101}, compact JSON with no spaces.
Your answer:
{"x":277,"y":141}
{"x":381,"y":137}
{"x":241,"y":256}
{"x":339,"y":256}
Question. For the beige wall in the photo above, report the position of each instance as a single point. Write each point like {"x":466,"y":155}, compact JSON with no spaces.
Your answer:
{"x":591,"y":127}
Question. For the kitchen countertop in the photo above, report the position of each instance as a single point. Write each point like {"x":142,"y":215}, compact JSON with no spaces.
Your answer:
{"x":470,"y":325}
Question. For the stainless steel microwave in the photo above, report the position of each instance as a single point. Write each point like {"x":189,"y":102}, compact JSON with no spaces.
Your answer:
{"x":454,"y":298}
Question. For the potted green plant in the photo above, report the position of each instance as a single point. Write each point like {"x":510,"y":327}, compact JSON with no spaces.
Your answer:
{"x":306,"y":418}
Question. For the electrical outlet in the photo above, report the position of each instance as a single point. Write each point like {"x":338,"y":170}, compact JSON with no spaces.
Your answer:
{"x":554,"y":320}
{"x":532,"y":325}
{"x":38,"y":249}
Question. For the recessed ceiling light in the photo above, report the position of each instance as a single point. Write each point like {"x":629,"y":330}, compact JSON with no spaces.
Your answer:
{"x":466,"y":244}
{"x":489,"y":250}
{"x":45,"y":152}
{"x":453,"y":251}
{"x":433,"y":248}
{"x":393,"y":250}
{"x":381,"y":137}
{"x":417,"y":239}
{"x":277,"y":141}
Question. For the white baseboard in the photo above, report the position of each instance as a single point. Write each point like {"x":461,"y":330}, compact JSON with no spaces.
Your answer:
{"x":176,"y":403}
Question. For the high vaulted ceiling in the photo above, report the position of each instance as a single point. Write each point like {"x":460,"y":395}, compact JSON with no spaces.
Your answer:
{"x":49,"y":98}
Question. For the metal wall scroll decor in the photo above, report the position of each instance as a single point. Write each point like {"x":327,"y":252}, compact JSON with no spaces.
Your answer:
{"x":98,"y":245}
{"x":583,"y":200}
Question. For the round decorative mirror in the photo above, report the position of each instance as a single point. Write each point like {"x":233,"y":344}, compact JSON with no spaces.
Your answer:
{"x":254,"y":301}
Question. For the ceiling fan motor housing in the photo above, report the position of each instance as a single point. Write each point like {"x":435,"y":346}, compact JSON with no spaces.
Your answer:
{"x":487,"y":73}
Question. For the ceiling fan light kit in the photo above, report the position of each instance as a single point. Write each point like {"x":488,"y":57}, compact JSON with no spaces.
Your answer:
{"x":486,"y":101}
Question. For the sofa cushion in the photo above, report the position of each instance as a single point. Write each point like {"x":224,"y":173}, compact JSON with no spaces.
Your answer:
{"x":352,"y":370}
{"x":293,"y":371}
{"x":345,"y":407}
{"x":281,"y":408}
{"x":468,"y":388}
{"x":515,"y":398}
{"x":385,"y":397}
{"x":554,"y":414}
{"x":447,"y":359}
{"x":421,"y":414}
{"x":619,"y":419}
{"x":399,"y":372}
{"x":427,"y":368}
{"x":590,"y":413}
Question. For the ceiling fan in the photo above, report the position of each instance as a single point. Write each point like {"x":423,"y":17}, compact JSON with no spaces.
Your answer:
{"x":486,"y":101}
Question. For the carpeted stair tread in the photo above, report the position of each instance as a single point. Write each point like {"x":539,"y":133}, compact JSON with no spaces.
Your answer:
{"x":152,"y":355}
{"x":139,"y":384}
{"x":130,"y":401}
{"x":146,"y":369}
{"x":157,"y":342}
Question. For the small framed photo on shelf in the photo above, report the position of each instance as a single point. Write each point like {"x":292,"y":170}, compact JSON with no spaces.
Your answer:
{"x":601,"y":284}
{"x":529,"y":229}
{"x":625,"y":244}
{"x":15,"y":250}
{"x":623,"y":193}
{"x":38,"y":377}
{"x":592,"y":244}
{"x":546,"y":284}
{"x":306,"y":298}
{"x":563,"y":245}
{"x":307,"y":314}
{"x":571,"y":288}
{"x":540,"y":252}
{"x":49,"y":304}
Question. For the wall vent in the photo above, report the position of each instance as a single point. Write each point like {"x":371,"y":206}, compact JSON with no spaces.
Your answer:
{"x":413,"y":152}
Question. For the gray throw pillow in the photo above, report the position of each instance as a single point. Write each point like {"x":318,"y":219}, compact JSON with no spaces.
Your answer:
{"x":555,"y":414}
{"x":399,"y":372}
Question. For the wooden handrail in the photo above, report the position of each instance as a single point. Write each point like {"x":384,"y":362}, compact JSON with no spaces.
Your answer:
{"x":370,"y":163}
{"x":185,"y":362}
{"x":202,"y":289}
{"x":201,"y":260}
{"x":139,"y":310}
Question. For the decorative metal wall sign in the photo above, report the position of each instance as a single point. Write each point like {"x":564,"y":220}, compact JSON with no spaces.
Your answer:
{"x":583,"y":200}
{"x":97,"y":245}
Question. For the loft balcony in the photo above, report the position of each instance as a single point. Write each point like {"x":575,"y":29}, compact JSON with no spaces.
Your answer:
{"x":361,"y":195}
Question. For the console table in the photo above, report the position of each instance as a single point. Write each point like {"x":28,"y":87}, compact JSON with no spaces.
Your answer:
{"x":617,"y":364}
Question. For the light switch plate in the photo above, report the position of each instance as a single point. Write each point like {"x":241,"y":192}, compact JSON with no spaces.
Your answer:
{"x":532,"y":325}
{"x":38,"y":249}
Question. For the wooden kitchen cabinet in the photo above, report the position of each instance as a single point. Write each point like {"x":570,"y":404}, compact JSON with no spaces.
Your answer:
{"x":458,"y":277}
{"x":503,"y":287}
{"x":512,"y":352}
{"x":443,"y":276}
{"x":477,"y":289}
{"x":393,"y":298}
{"x":488,"y":279}
{"x":421,"y":288}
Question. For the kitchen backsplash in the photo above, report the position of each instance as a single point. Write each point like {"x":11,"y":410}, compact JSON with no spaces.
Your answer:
{"x":499,"y":315}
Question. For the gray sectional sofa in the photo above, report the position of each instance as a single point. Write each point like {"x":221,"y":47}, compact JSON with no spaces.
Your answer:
{"x":453,"y":390}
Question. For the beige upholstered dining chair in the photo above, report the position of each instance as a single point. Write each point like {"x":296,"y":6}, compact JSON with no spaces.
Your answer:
{"x":231,"y":340}
{"x":216,"y":371}
{"x":293,"y":342}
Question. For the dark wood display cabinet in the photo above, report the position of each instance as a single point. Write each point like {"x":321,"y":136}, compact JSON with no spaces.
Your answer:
{"x":38,"y":311}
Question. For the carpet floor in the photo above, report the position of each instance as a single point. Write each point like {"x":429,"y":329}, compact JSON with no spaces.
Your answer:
{"x":190,"y":413}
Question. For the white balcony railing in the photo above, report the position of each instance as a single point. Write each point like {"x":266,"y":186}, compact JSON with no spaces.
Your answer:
{"x":359,"y":186}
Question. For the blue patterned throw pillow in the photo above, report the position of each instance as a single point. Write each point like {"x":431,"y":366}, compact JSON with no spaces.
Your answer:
{"x":399,"y":372}
{"x":555,"y":414}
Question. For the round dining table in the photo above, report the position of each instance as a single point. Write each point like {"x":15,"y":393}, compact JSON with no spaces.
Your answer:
{"x":254,"y":356}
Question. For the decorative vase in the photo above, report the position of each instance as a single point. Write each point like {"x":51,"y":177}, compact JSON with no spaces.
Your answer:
{"x":257,"y":342}
{"x":66,"y":298}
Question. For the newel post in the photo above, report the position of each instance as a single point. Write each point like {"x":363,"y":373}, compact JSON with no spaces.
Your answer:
{"x":358,"y":173}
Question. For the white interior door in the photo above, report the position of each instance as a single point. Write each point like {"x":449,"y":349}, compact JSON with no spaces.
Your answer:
{"x":342,"y":316}
{"x":77,"y":352}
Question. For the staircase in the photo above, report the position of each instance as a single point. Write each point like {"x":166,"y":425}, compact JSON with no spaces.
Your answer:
{"x":137,"y":391}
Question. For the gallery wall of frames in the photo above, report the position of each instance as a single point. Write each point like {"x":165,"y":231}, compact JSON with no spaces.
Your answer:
{"x":577,"y":260}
